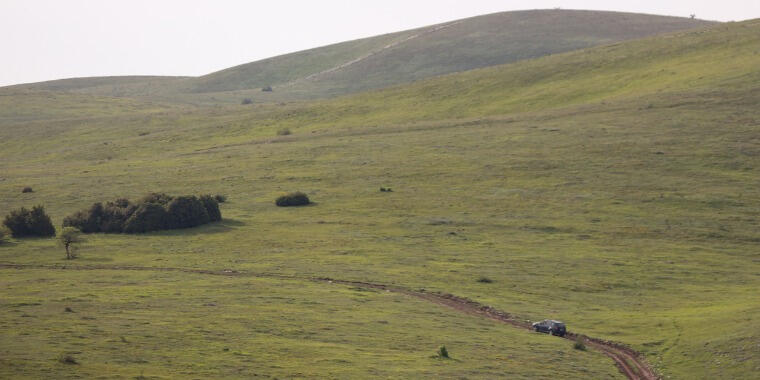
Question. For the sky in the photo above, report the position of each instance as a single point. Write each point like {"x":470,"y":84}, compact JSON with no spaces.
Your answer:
{"x":53,"y":39}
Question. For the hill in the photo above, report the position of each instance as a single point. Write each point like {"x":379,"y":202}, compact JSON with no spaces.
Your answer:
{"x":396,"y":58}
{"x":614,"y":188}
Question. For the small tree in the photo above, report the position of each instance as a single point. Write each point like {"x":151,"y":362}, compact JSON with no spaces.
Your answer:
{"x":70,"y":238}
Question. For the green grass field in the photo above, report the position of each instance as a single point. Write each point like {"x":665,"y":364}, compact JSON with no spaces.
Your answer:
{"x":127,"y":324}
{"x":621,"y":199}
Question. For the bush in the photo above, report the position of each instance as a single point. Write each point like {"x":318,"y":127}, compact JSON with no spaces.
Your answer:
{"x":246,"y":101}
{"x":146,"y":218}
{"x":186,"y":212}
{"x":27,"y":189}
{"x":34,"y":222}
{"x":443,"y":353}
{"x":267,"y":89}
{"x":220,"y":198}
{"x":153,"y":212}
{"x":283,"y":132}
{"x":212,"y":207}
{"x":579,"y":343}
{"x":292,"y":199}
{"x":485,"y":280}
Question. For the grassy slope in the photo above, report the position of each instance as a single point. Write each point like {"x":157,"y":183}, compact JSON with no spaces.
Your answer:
{"x":415,"y":54}
{"x":622,"y":199}
{"x":158,"y":325}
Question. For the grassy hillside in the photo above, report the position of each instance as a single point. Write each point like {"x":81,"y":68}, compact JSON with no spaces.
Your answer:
{"x":129,"y":324}
{"x":395,"y":58}
{"x":614,"y":188}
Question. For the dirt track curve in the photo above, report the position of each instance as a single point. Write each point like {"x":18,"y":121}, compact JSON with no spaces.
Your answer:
{"x":628,"y":361}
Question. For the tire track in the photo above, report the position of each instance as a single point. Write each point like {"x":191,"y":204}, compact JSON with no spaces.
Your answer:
{"x":628,"y":361}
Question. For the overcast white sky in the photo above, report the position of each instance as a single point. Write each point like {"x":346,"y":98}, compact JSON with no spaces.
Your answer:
{"x":52,"y":39}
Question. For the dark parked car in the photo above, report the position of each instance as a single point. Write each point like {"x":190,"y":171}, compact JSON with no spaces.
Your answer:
{"x":550,"y":327}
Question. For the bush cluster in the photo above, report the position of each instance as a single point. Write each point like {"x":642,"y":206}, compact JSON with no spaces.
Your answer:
{"x":154,"y":212}
{"x":34,"y":222}
{"x":292,"y":199}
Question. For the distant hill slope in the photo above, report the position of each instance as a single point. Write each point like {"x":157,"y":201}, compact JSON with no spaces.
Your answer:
{"x":396,"y":58}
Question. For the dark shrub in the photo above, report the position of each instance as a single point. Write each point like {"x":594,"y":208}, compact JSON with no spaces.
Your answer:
{"x":292,"y":199}
{"x":99,"y":218}
{"x":27,"y":190}
{"x":485,"y":280}
{"x":157,"y":198}
{"x":212,"y":207}
{"x":246,"y":101}
{"x":86,"y":221}
{"x":154,"y":212}
{"x":443,"y":353}
{"x":283,"y":132}
{"x":34,"y":222}
{"x":115,"y":215}
{"x":220,"y":198}
{"x":186,"y":212}
{"x":148,"y":217}
{"x":267,"y":89}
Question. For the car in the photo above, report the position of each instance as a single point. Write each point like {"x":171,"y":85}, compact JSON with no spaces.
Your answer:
{"x":550,"y":326}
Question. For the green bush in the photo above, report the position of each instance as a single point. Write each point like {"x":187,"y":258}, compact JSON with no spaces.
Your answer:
{"x":220,"y":198}
{"x":34,"y":222}
{"x":153,"y":212}
{"x":146,"y":218}
{"x":186,"y":212}
{"x":27,"y":189}
{"x":283,"y":132}
{"x":293,"y":199}
{"x":212,"y":207}
{"x":443,"y":353}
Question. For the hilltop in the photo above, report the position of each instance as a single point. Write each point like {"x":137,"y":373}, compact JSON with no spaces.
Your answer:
{"x":391,"y":59}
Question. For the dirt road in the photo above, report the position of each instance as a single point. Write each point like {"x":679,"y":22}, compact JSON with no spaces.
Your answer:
{"x":628,"y":361}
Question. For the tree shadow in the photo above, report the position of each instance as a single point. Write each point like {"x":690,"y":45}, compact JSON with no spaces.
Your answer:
{"x":225,"y":225}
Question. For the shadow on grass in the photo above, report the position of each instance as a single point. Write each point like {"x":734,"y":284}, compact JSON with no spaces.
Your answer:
{"x":225,"y":225}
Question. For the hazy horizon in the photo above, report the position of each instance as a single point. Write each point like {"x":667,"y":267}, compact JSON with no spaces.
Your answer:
{"x":55,"y":40}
